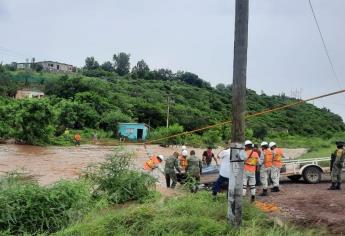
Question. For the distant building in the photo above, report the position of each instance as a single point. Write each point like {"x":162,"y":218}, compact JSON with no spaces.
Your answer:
{"x":133,"y":131}
{"x":47,"y":66}
{"x":26,"y":93}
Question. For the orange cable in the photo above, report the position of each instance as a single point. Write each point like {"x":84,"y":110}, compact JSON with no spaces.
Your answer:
{"x":247,"y":116}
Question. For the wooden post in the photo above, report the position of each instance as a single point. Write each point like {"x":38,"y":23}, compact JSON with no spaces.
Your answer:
{"x":238,"y":112}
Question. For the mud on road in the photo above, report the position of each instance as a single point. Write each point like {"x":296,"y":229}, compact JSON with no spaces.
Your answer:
{"x":310,"y":205}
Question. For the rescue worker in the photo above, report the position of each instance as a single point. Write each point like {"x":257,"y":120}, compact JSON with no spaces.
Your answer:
{"x":171,"y":164}
{"x":194,"y":170}
{"x":338,"y":164}
{"x":252,"y":160}
{"x":183,"y":160}
{"x":77,"y":139}
{"x":266,"y":160}
{"x":224,"y":171}
{"x":277,"y":155}
{"x":154,"y":164}
{"x":207,"y":157}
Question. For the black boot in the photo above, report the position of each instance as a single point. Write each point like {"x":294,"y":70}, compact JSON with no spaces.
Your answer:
{"x":252,"y":199}
{"x":332,"y":186}
{"x":338,"y":186}
{"x":264,"y":192}
{"x":275,"y":189}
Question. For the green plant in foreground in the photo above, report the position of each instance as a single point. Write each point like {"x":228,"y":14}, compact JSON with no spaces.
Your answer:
{"x":117,"y":181}
{"x":190,"y":214}
{"x":27,"y":208}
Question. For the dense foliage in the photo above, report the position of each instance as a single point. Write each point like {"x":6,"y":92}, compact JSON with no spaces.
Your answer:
{"x":99,"y":97}
{"x":117,"y":182}
{"x":27,"y":207}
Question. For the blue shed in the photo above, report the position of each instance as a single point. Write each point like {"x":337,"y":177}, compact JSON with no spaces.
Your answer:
{"x":133,"y":131}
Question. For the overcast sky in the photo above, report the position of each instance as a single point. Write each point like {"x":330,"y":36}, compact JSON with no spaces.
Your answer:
{"x":285,"y":50}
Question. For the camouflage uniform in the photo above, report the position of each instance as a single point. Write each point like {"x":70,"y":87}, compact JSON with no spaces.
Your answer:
{"x":338,"y":165}
{"x":171,"y":163}
{"x":194,"y":169}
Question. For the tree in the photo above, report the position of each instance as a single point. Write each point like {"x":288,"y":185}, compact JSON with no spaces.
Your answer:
{"x":260,"y":131}
{"x":91,"y":63}
{"x":107,"y":66}
{"x":38,"y":67}
{"x":110,"y":120}
{"x":121,"y":63}
{"x":140,"y":69}
{"x":34,"y":120}
{"x":220,"y":87}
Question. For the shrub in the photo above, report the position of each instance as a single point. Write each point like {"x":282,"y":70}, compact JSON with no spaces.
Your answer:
{"x":191,"y":214}
{"x":115,"y":179}
{"x":27,"y":207}
{"x":163,"y":132}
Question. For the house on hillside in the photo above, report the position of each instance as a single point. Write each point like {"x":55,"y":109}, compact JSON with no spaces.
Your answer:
{"x":27,"y":93}
{"x":133,"y":131}
{"x":47,"y":66}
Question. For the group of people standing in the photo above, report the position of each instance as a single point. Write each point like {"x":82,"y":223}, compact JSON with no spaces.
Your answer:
{"x":267,"y":161}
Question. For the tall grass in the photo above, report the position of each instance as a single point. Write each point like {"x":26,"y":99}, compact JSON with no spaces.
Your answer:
{"x":192,"y":214}
{"x":117,"y":181}
{"x":29,"y":208}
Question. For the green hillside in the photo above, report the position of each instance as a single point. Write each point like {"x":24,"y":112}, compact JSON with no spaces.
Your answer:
{"x":81,"y":100}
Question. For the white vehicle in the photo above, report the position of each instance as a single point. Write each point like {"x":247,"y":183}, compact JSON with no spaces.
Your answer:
{"x":310,"y":169}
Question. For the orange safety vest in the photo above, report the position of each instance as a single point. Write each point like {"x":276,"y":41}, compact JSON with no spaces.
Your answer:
{"x":77,"y":137}
{"x":252,"y":161}
{"x":268,"y":158}
{"x":183,"y":162}
{"x":277,"y":160}
{"x":151,"y":163}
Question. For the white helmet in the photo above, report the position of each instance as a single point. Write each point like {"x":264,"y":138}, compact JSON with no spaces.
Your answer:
{"x":248,"y":142}
{"x":161,"y":157}
{"x":264,"y":144}
{"x":184,"y":153}
{"x":184,"y":147}
{"x":272,"y":144}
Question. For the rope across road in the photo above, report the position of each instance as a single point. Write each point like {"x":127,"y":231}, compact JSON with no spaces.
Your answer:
{"x":247,"y":116}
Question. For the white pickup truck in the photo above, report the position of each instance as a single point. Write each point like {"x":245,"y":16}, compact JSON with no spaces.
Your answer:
{"x":310,"y":170}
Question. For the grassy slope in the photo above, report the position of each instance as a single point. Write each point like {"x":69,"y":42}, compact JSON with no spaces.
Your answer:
{"x":185,"y":215}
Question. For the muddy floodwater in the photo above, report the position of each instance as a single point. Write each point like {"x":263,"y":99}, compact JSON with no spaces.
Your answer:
{"x":50,"y":164}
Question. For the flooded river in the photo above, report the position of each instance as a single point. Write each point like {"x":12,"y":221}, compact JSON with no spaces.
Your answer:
{"x":50,"y":164}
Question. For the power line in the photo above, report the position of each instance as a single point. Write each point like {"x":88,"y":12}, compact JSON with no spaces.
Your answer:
{"x":248,"y":116}
{"x":324,"y":44}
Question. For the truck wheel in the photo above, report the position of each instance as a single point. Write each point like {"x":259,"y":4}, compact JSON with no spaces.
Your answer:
{"x":295,"y":178}
{"x":312,"y":175}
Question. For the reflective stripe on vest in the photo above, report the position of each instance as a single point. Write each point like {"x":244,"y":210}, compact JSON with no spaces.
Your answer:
{"x":252,"y":161}
{"x":278,"y":155}
{"x":268,"y":158}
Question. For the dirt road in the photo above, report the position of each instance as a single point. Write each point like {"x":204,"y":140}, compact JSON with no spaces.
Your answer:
{"x":310,"y":204}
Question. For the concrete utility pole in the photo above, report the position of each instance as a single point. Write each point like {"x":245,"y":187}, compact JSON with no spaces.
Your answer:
{"x":238,"y":112}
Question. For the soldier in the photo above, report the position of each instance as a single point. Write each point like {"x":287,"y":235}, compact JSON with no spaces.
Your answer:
{"x":194,"y":170}
{"x":266,"y":159}
{"x":337,"y":167}
{"x":171,"y":163}
{"x":249,"y":169}
{"x":277,"y":155}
